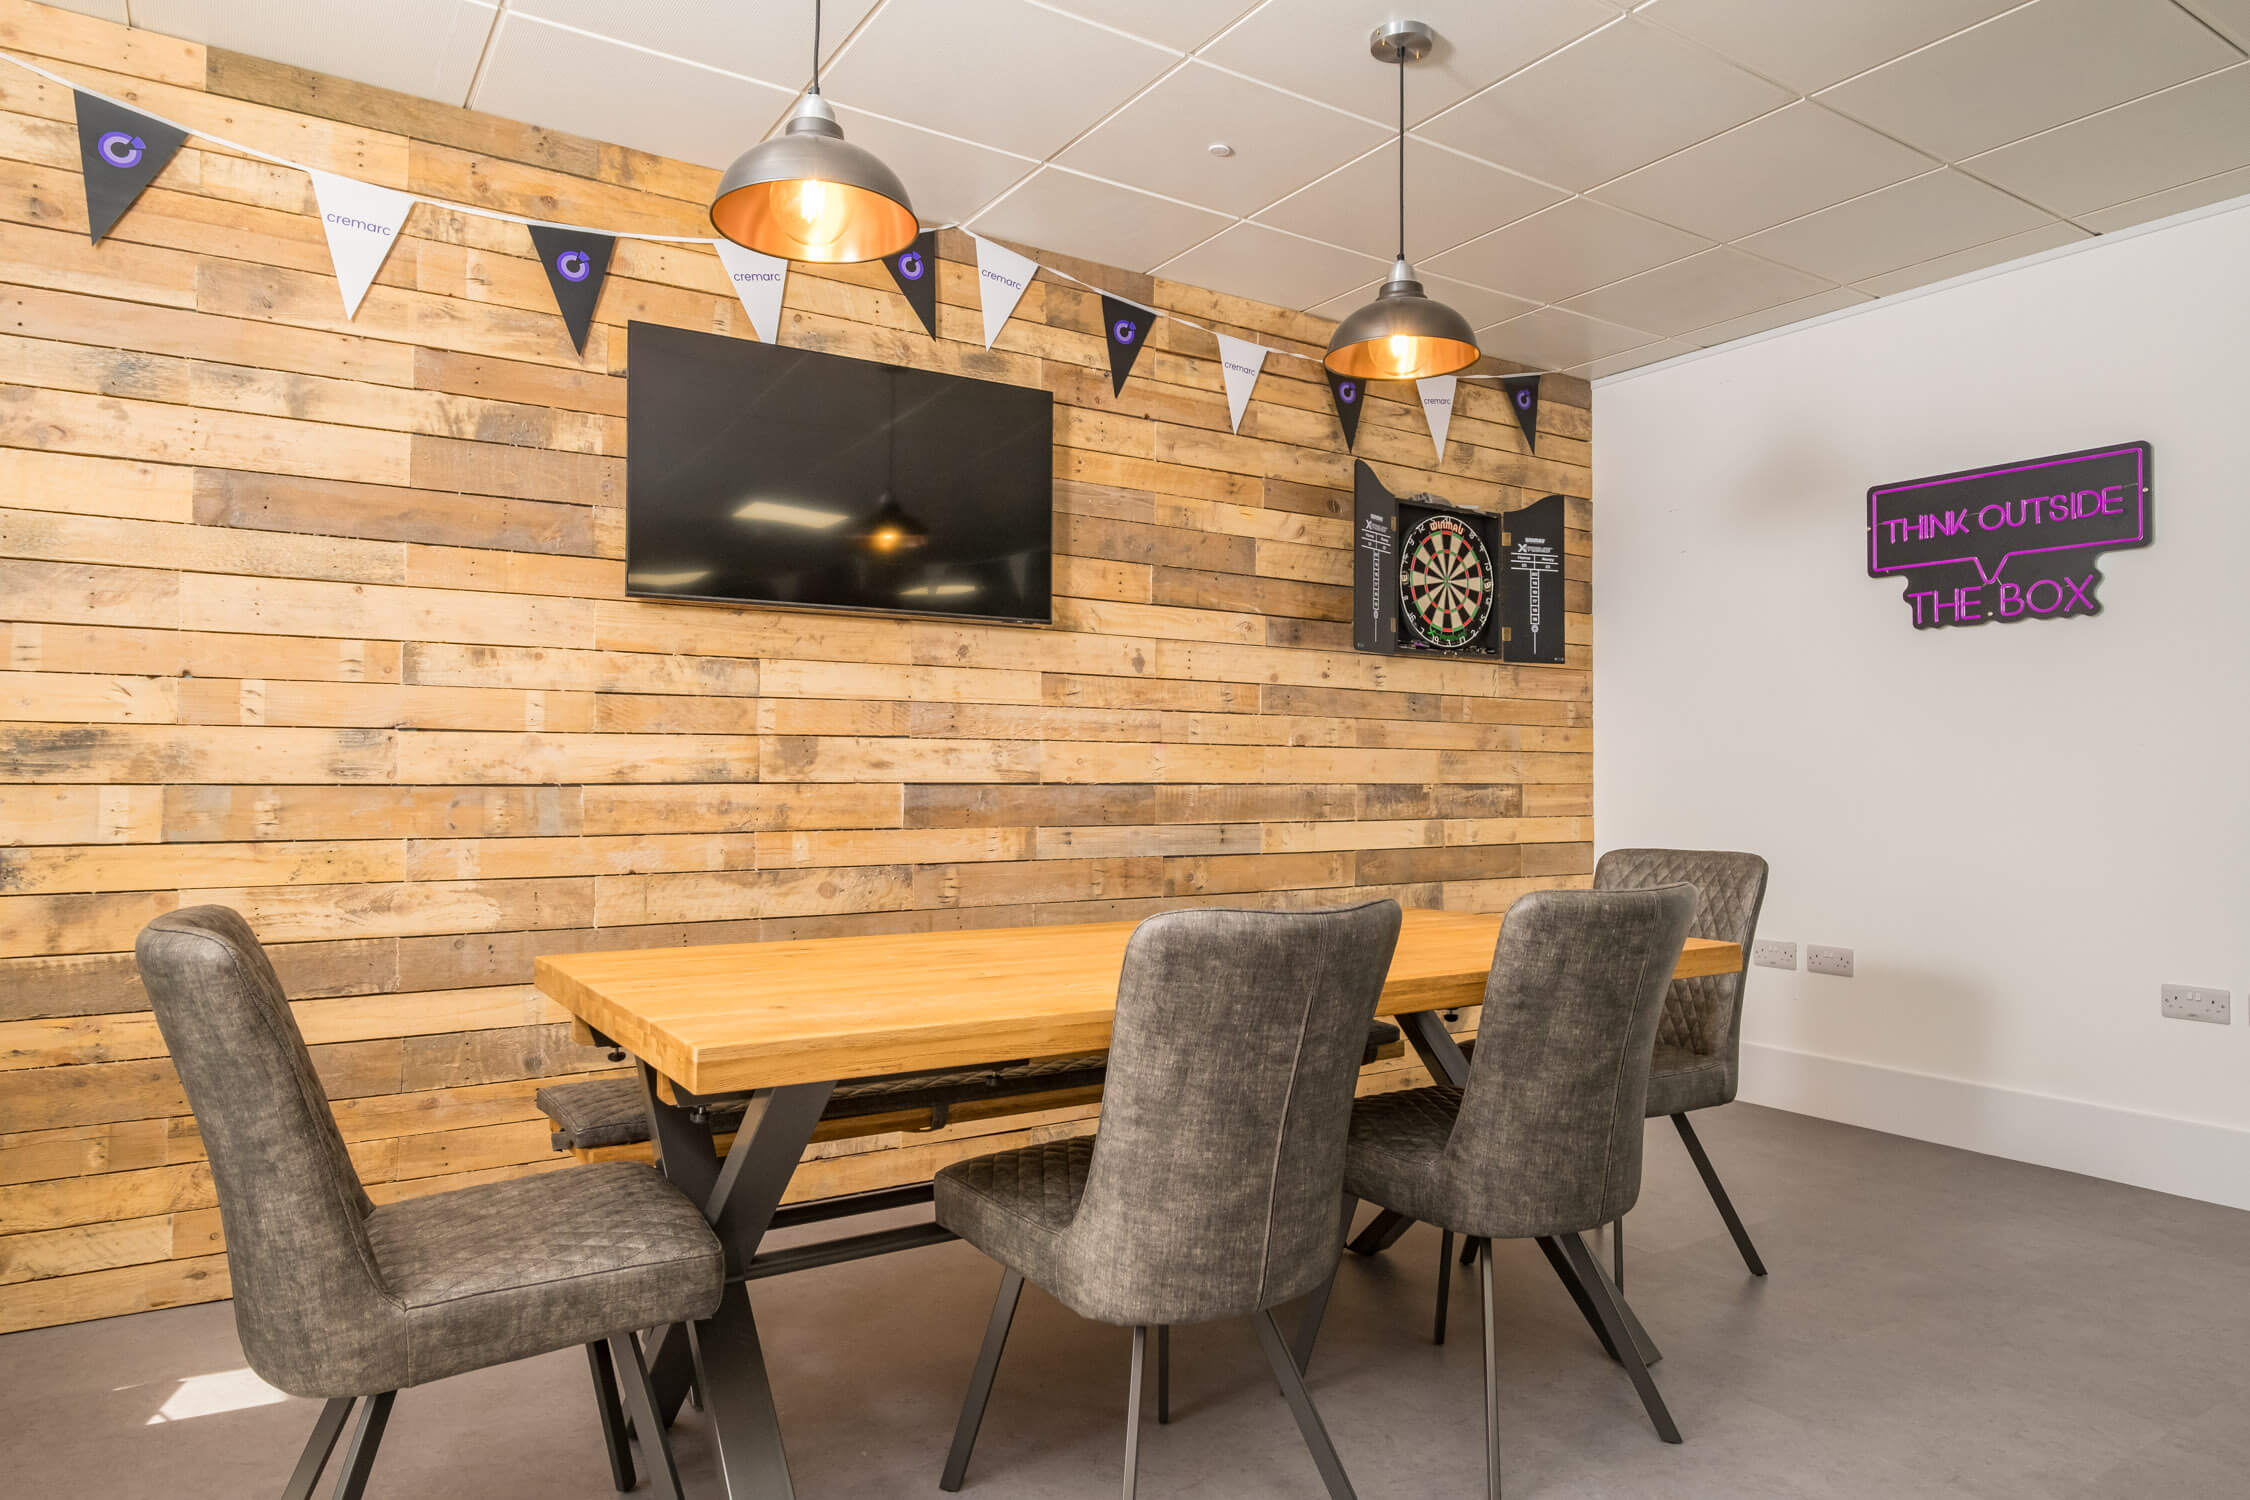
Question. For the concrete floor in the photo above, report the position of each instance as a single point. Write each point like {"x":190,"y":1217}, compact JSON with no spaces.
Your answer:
{"x":1937,"y":1324}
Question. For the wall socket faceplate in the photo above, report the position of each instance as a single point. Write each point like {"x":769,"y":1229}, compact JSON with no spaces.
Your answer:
{"x":1836,"y":961}
{"x":1772,"y":953}
{"x":2189,"y":1002}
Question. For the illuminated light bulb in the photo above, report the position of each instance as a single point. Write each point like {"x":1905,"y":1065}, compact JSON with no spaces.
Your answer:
{"x":815,"y":212}
{"x":1402,"y":352}
{"x":887,"y":539}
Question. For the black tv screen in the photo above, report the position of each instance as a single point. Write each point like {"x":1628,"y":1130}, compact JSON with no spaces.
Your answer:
{"x":764,"y":475}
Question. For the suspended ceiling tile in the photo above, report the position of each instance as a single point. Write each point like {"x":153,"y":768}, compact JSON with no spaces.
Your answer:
{"x":1631,"y":359}
{"x":2179,"y":136}
{"x":2230,"y":16}
{"x":1556,"y":339}
{"x":1571,"y":248}
{"x":533,"y":73}
{"x":769,"y":40}
{"x":1118,"y":226}
{"x":1161,"y":141}
{"x":1776,"y":168}
{"x":428,"y":48}
{"x":1766,"y":319}
{"x":1614,"y":101}
{"x":1696,"y":292}
{"x":1480,"y":307}
{"x":2030,"y":70}
{"x":1319,"y":48}
{"x":1449,"y":198}
{"x":1266,"y":265}
{"x":2171,"y":201}
{"x":1810,"y":44}
{"x":1899,"y":226}
{"x":1976,"y":258}
{"x":1180,"y":24}
{"x":948,"y":179}
{"x":1005,"y":73}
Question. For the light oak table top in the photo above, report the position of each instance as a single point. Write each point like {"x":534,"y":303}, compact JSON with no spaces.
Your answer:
{"x":736,"y":1016}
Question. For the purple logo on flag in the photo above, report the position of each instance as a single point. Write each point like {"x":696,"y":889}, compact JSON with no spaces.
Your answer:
{"x":1124,"y":330}
{"x":121,"y":150}
{"x":910,"y":265}
{"x":573,"y":265}
{"x":1523,"y":399}
{"x":1348,"y":391}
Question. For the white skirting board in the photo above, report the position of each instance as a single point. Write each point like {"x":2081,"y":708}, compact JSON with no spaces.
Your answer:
{"x":2190,"y":1158}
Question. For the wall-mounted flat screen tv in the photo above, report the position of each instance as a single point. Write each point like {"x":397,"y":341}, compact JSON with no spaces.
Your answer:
{"x":763,"y":475}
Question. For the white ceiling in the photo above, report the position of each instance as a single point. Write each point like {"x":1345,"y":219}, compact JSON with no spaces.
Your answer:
{"x":1597,"y":184}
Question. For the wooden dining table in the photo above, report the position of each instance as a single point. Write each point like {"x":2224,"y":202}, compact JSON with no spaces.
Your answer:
{"x":772,"y":1028}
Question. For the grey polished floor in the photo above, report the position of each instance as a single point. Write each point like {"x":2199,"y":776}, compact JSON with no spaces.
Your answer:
{"x":1937,"y":1324}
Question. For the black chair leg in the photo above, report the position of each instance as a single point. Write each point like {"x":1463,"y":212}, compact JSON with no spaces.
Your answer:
{"x":1300,"y":1406}
{"x":612,"y":1416}
{"x":1491,"y":1374}
{"x":1468,"y":1252}
{"x":640,"y":1399}
{"x":1444,"y":1282}
{"x":1569,"y":1279}
{"x":1164,"y":1374}
{"x":1606,"y":1303}
{"x":1719,"y":1196}
{"x":980,"y":1379}
{"x":1617,"y":1252}
{"x":1316,"y":1305}
{"x":359,"y":1458}
{"x":1133,"y":1413}
{"x":327,"y":1428}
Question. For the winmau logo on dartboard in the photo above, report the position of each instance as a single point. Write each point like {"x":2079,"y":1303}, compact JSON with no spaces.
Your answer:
{"x":121,"y":150}
{"x":573,"y":265}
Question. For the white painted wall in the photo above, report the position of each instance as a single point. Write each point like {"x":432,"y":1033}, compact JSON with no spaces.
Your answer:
{"x":2021,"y":828}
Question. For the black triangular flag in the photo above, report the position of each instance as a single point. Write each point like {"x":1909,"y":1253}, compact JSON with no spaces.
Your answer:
{"x":1523,"y":400}
{"x":915,"y":271}
{"x":1345,"y":391}
{"x":1125,"y":326}
{"x":120,"y":150}
{"x":576,"y":261}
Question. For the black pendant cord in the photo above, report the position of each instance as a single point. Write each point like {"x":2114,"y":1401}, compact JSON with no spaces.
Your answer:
{"x":1402,"y":155}
{"x":816,"y":46}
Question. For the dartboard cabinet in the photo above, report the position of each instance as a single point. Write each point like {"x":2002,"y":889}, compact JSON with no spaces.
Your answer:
{"x":1435,"y":579}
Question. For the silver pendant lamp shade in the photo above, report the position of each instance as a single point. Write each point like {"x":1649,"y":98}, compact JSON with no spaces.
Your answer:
{"x":1404,"y":334}
{"x":809,"y":194}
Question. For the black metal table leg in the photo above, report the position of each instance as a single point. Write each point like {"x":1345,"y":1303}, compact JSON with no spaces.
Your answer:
{"x":739,"y":1197}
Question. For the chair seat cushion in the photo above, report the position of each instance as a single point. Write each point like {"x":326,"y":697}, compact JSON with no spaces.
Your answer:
{"x":507,"y":1270}
{"x":1395,"y":1155}
{"x":1683,"y":1080}
{"x":1015,"y":1205}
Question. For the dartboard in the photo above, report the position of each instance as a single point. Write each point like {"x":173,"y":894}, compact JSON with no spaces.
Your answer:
{"x":1445,"y":581}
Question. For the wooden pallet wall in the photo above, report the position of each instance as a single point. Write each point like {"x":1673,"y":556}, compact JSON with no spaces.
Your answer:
{"x":325,"y":621}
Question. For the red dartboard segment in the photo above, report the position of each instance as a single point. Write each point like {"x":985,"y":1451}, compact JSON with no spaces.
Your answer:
{"x":1445,"y":581}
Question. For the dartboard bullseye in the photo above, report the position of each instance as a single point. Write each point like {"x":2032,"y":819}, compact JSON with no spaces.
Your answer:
{"x":1445,"y":582}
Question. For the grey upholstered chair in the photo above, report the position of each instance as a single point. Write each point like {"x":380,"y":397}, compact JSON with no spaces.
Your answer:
{"x":1699,"y":1038}
{"x":1213,"y":1185}
{"x":1545,"y":1142}
{"x":342,"y":1300}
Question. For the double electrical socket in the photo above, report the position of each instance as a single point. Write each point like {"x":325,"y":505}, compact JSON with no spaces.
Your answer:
{"x":2189,"y":1002}
{"x":1772,"y":953}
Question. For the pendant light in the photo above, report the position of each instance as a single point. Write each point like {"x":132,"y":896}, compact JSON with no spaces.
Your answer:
{"x":808,"y":194}
{"x":1403,"y":334}
{"x":889,"y":529}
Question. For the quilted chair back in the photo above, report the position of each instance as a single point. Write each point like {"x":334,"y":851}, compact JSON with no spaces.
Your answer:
{"x":1703,"y":1015}
{"x":1217,"y":1173}
{"x":1548,"y":1139}
{"x":307,"y":1297}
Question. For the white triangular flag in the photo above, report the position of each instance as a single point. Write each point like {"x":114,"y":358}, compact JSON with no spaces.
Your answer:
{"x":1437,"y":407}
{"x":362,"y":221}
{"x":758,"y":280}
{"x":1002,"y":278}
{"x":1239,"y":361}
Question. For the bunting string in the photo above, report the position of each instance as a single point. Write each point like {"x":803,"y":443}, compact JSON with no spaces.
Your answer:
{"x":362,"y":219}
